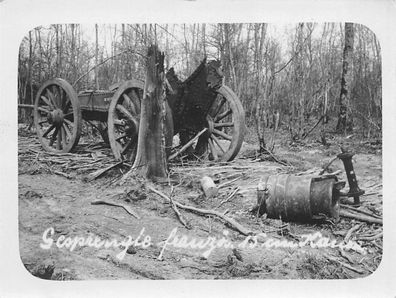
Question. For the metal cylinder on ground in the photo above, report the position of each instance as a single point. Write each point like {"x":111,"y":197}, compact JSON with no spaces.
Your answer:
{"x":299,"y":198}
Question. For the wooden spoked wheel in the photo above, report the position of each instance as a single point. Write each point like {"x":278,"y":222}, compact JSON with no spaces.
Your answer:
{"x":226,"y":125}
{"x":123,"y":120}
{"x":57,"y":116}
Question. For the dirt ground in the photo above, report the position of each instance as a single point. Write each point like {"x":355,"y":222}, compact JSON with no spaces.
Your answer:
{"x":57,"y":192}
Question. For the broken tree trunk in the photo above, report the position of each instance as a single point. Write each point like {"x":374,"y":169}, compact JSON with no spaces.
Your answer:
{"x":151,"y":152}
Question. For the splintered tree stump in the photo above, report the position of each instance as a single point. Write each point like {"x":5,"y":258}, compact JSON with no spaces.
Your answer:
{"x":151,"y":151}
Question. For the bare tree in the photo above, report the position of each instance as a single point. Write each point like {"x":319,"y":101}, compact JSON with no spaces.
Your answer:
{"x":344,"y":120}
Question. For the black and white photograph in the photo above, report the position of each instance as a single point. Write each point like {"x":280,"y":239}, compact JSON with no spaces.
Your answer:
{"x":213,"y":150}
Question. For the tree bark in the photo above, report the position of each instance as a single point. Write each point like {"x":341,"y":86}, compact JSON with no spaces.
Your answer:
{"x":96,"y":57}
{"x":151,"y":154}
{"x":346,"y":79}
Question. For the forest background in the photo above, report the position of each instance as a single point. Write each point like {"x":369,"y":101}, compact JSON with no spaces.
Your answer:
{"x":290,"y":72}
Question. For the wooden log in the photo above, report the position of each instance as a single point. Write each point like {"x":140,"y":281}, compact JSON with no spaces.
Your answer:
{"x":209,"y":187}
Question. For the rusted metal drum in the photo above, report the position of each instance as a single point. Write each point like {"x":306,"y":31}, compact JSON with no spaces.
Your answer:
{"x":300,"y":198}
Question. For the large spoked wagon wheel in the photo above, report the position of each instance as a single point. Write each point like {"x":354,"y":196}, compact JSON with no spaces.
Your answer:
{"x":226,"y":125}
{"x":57,"y":116}
{"x":123,"y":120}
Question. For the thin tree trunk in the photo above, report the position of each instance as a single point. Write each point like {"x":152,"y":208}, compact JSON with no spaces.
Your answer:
{"x":346,"y":79}
{"x":96,"y":57}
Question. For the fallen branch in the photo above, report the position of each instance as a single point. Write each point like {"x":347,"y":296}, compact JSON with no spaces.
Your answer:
{"x":229,"y":182}
{"x":100,"y":172}
{"x":275,"y":159}
{"x":370,"y":238}
{"x":345,"y":265}
{"x":350,"y":231}
{"x":116,"y":204}
{"x":361,"y":217}
{"x":178,"y":214}
{"x":186,"y":146}
{"x":233,"y":193}
{"x":235,"y":225}
{"x":360,"y":211}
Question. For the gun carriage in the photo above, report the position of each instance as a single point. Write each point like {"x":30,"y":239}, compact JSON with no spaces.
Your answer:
{"x":201,"y":101}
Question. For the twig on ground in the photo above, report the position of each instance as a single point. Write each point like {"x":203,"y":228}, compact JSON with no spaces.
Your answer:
{"x":178,"y":214}
{"x":370,"y":238}
{"x":235,"y":225}
{"x":361,"y":217}
{"x":233,"y":193}
{"x":100,"y":172}
{"x":229,"y":182}
{"x":345,"y":255}
{"x":345,"y":265}
{"x":116,"y":204}
{"x":360,"y":211}
{"x":350,"y":231}
{"x":276,"y":159}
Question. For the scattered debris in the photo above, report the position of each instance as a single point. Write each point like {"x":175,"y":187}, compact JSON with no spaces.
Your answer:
{"x":231,"y":222}
{"x":361,"y":217}
{"x":209,"y":187}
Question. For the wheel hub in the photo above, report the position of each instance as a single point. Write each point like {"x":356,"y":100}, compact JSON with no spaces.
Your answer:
{"x":56,"y":117}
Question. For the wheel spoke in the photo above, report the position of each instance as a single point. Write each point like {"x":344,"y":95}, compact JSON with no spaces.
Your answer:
{"x":62,"y":98}
{"x":68,"y":122}
{"x":64,"y":140}
{"x":217,"y":141}
{"x":224,"y":124}
{"x":129,"y":143}
{"x":59,"y":139}
{"x":52,"y":98}
{"x":56,"y":90}
{"x":119,"y":122}
{"x":67,"y":107}
{"x":218,"y":107}
{"x":48,"y":130}
{"x":68,"y":132}
{"x":223,"y":115}
{"x":213,"y":149}
{"x":48,"y":102}
{"x":136,"y":101}
{"x":68,"y":115}
{"x":43,"y":121}
{"x":124,"y":111}
{"x":53,"y":137}
{"x":130,"y":104}
{"x":44,"y":110}
{"x":222,"y":134}
{"x":121,"y":137}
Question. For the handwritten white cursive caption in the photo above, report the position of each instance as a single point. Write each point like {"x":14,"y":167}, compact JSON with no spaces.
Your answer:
{"x":207,"y":245}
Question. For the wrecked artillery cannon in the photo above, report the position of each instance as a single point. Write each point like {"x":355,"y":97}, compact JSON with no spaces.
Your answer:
{"x":199,"y":105}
